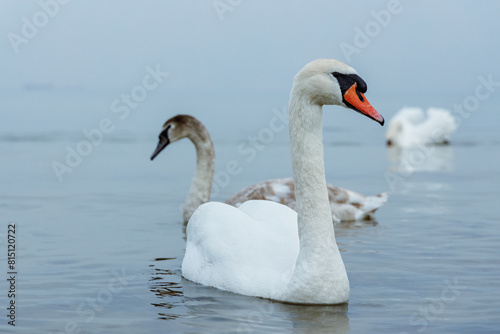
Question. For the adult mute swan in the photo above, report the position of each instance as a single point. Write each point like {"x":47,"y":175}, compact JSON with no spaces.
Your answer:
{"x":409,"y":127}
{"x":265,"y":249}
{"x":346,"y":205}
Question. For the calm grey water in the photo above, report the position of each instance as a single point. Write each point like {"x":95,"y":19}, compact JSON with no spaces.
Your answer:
{"x":100,"y":252}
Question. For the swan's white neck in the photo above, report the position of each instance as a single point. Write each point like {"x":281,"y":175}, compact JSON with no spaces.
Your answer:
{"x":199,"y":192}
{"x":313,"y":207}
{"x":319,"y":275}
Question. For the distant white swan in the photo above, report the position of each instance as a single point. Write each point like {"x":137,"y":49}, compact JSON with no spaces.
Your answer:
{"x":265,"y":249}
{"x":346,"y":205}
{"x":409,"y":127}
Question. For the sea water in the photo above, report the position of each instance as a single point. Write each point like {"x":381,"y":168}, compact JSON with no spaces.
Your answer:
{"x":99,"y":249}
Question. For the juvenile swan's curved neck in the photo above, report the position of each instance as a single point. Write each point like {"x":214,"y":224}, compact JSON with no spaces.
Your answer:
{"x":319,"y":275}
{"x":199,"y":192}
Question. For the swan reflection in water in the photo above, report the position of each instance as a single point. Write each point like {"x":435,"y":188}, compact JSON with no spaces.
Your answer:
{"x":421,"y":158}
{"x":167,"y":287}
{"x":248,"y":314}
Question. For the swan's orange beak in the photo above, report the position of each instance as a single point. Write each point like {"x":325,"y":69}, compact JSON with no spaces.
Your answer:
{"x":358,"y":102}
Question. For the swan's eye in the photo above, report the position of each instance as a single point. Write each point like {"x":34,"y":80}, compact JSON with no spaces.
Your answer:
{"x":360,"y":96}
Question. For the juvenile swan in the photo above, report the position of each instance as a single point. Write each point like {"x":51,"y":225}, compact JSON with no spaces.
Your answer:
{"x":265,"y":249}
{"x":346,"y":205}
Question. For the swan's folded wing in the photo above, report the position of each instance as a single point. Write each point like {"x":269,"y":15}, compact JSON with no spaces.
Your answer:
{"x":275,"y":215}
{"x":225,"y":245}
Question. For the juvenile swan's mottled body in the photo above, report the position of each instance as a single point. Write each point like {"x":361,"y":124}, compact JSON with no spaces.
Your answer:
{"x":255,"y":249}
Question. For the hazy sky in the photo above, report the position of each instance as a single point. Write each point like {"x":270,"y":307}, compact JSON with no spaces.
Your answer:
{"x":249,"y":47}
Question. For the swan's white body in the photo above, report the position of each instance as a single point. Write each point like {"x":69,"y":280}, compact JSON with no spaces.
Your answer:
{"x":346,"y":205}
{"x":409,"y":127}
{"x":263,"y":248}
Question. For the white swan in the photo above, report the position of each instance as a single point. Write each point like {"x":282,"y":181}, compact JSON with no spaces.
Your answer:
{"x":346,"y":205}
{"x":410,"y":128}
{"x":265,"y":249}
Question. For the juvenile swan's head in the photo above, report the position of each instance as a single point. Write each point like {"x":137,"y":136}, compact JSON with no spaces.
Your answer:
{"x":174,"y":129}
{"x":331,"y":82}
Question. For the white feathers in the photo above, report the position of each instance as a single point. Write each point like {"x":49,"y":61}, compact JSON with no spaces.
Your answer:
{"x":409,"y":127}
{"x":249,"y":250}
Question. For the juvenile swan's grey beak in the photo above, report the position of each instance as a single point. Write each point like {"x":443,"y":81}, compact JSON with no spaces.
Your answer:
{"x":162,"y":143}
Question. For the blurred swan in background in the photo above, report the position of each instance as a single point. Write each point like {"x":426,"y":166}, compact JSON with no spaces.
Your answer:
{"x":346,"y":205}
{"x":409,"y":127}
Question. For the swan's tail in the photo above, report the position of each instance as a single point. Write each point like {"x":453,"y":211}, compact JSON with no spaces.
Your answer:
{"x":370,"y":205}
{"x":348,"y":205}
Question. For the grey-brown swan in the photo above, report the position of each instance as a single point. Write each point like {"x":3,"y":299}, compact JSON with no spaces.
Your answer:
{"x":346,"y":205}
